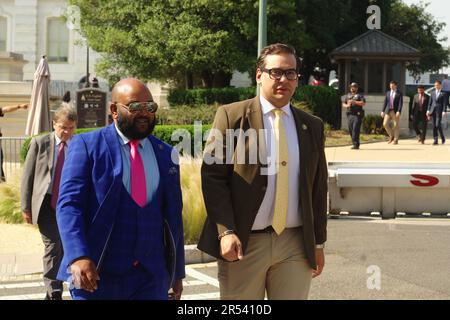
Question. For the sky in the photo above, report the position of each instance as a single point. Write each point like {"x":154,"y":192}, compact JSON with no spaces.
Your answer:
{"x":440,"y":9}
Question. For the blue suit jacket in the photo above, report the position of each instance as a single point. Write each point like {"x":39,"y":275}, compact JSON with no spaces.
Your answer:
{"x":438,"y":104}
{"x":398,"y":102}
{"x":88,"y":199}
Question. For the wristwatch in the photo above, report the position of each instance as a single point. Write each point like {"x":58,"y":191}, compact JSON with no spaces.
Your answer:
{"x":320,"y":246}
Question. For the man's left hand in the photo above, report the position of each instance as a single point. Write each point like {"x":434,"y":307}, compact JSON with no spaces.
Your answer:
{"x":320,"y":261}
{"x":177,"y":290}
{"x":398,"y":114}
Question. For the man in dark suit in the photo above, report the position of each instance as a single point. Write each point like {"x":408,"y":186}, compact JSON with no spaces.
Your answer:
{"x":264,"y":181}
{"x":119,"y":186}
{"x":419,"y":113}
{"x":392,"y":108}
{"x":40,"y":186}
{"x":436,"y":110}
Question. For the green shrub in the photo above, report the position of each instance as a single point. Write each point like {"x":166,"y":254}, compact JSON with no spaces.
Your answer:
{"x":186,"y":115}
{"x":10,"y":209}
{"x":323,"y":102}
{"x":194,"y":97}
{"x":161,"y":132}
{"x":373,"y":124}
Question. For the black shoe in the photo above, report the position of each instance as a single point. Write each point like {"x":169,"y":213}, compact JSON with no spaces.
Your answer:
{"x":56,"y":295}
{"x":355,"y":147}
{"x":435,"y":143}
{"x":443,"y":141}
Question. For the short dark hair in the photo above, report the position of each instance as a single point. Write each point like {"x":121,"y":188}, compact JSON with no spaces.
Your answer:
{"x":421,"y":87}
{"x":276,"y":48}
{"x":438,"y":81}
{"x":393,"y":82}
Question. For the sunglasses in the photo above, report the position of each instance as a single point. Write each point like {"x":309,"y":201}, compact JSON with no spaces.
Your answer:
{"x":132,"y":107}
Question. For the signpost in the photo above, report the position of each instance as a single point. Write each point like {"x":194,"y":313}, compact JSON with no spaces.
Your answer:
{"x":91,"y":108}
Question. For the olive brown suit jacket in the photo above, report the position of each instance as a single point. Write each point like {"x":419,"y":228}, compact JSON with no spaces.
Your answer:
{"x":233,"y":191}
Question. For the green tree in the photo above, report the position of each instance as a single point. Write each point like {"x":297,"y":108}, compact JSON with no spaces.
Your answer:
{"x":170,"y":39}
{"x":201,"y":42}
{"x":413,"y":25}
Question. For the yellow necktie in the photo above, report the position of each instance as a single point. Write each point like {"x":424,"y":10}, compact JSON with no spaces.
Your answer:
{"x":282,"y":181}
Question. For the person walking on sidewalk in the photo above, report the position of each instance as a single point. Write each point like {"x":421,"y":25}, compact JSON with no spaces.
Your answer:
{"x":446,"y":88}
{"x":119,"y":213}
{"x":266,"y":199}
{"x":354,"y":102}
{"x":419,"y":113}
{"x":40,"y":187}
{"x":4,"y":110}
{"x":392,"y":108}
{"x":436,"y":110}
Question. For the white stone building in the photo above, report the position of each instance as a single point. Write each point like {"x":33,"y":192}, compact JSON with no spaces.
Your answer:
{"x":35,"y":28}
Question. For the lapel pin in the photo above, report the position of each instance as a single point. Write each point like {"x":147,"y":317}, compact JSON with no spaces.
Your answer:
{"x":161,"y":146}
{"x":304,"y":127}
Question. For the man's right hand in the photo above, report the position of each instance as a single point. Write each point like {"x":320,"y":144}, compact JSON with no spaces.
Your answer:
{"x":382,"y":114}
{"x":84,"y":274}
{"x":231,"y":248}
{"x":27,"y":217}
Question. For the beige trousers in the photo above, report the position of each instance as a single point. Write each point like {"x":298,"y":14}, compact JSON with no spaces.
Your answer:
{"x":393,"y":132}
{"x":273,"y":264}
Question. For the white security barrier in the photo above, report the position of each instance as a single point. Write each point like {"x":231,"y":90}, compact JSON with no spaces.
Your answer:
{"x":389,"y":188}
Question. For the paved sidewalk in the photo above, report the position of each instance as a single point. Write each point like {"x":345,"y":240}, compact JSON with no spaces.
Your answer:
{"x":21,"y":250}
{"x":21,"y":246}
{"x":406,"y":151}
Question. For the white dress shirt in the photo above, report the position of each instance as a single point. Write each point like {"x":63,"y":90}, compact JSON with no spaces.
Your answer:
{"x":265,"y":214}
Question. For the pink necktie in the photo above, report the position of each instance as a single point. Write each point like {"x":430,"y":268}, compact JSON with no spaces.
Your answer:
{"x":57,"y":176}
{"x":392,"y":100}
{"x":138,"y":186}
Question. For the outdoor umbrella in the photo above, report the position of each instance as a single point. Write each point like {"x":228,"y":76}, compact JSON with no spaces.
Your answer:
{"x":39,"y":111}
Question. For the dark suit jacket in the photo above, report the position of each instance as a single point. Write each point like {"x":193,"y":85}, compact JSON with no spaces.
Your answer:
{"x":438,"y":104}
{"x":398,"y":102}
{"x":416,"y":105}
{"x":37,"y":173}
{"x":88,"y":201}
{"x":233,"y":193}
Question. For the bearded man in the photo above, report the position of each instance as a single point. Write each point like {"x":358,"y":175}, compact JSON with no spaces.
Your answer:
{"x":120,"y":187}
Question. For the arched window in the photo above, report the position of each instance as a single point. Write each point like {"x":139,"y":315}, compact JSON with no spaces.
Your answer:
{"x":57,"y":40}
{"x":3,"y":33}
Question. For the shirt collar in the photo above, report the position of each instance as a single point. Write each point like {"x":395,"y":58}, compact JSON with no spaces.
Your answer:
{"x":267,"y":107}
{"x":124,"y":140}
{"x":58,"y":141}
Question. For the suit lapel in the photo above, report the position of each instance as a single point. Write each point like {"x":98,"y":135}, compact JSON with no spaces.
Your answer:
{"x":304,"y":141}
{"x":51,"y":151}
{"x":255,"y":120}
{"x":113,"y":146}
{"x":162,"y":163}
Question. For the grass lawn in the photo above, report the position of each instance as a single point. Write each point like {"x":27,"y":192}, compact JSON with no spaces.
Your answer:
{"x":342,"y":138}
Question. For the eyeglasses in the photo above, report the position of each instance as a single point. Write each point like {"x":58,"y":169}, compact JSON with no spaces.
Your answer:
{"x":277,"y":74}
{"x":132,"y":107}
{"x":62,"y":127}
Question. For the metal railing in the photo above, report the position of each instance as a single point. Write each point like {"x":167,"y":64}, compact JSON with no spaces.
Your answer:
{"x":11,"y":147}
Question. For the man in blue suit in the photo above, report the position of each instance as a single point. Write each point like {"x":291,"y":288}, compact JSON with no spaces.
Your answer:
{"x":436,"y":110}
{"x":118,"y":188}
